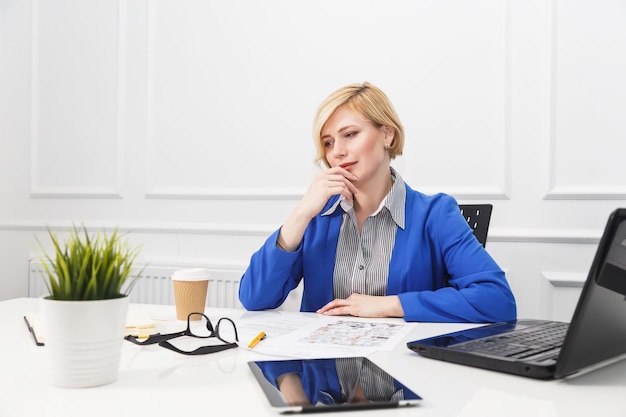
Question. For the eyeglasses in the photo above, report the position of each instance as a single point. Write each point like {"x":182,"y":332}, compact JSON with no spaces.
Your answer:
{"x":225,"y":331}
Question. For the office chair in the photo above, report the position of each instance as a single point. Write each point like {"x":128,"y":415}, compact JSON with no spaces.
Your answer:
{"x":478,"y":217}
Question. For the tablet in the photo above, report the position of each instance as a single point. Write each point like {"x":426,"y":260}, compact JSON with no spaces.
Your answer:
{"x":312,"y":385}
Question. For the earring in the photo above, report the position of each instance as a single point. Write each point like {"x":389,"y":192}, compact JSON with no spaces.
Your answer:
{"x":387,"y":146}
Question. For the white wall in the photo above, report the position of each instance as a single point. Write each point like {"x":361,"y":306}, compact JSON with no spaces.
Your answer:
{"x":188,"y":122}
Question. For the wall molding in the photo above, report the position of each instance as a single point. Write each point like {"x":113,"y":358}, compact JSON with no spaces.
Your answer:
{"x":479,"y":193}
{"x":507,"y":102}
{"x":217,"y":229}
{"x":501,"y":191}
{"x":586,"y":193}
{"x":75,"y":192}
{"x":559,"y":236}
{"x":178,"y":193}
{"x":473,"y":193}
{"x":583,"y":236}
{"x":555,"y":191}
{"x":38,"y":191}
{"x":565,"y":279}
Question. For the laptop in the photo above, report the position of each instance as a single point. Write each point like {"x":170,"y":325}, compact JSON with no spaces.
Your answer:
{"x":595,"y":337}
{"x":329,"y":384}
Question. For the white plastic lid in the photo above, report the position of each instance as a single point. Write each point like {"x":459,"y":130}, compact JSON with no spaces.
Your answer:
{"x":192,"y":274}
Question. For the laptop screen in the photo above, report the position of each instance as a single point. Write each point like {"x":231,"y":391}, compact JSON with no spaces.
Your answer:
{"x":598,"y":328}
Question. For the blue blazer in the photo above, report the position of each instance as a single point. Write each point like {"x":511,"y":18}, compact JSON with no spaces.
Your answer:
{"x":438,"y":269}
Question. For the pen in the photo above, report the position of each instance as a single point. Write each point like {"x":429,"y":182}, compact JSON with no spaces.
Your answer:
{"x":256,"y":340}
{"x":32,"y":331}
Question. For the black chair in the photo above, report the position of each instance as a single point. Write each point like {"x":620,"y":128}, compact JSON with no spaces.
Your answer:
{"x":478,"y":217}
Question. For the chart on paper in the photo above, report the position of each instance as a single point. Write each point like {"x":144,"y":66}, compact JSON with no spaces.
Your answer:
{"x":354,"y":333}
{"x":304,"y":336}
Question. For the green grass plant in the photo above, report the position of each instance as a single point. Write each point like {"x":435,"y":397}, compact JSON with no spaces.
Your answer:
{"x":89,"y":267}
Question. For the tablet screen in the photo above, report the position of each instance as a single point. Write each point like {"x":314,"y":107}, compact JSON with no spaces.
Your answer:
{"x":306,"y":385}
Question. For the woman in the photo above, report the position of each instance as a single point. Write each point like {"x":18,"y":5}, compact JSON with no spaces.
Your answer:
{"x":368,"y":245}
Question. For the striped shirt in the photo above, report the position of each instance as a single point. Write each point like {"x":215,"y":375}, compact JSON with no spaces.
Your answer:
{"x":362,"y":258}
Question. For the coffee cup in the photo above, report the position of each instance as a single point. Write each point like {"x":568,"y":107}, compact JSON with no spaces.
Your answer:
{"x":190,"y":291}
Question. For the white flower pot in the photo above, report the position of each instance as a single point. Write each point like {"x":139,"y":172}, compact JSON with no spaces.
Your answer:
{"x":83,"y":340}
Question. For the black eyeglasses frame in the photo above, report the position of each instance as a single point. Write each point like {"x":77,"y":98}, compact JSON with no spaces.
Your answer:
{"x":163,"y":339}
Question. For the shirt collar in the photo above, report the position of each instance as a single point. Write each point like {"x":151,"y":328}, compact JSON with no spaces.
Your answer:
{"x":394,"y":201}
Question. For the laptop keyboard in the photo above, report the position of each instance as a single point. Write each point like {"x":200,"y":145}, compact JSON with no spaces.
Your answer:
{"x":540,"y":341}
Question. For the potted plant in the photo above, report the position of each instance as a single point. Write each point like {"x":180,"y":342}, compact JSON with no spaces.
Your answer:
{"x":89,"y":279}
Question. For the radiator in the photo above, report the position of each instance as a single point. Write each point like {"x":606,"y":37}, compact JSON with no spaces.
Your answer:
{"x":154,"y":285}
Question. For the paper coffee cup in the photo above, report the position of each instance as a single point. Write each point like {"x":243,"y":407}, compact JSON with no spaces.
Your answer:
{"x":190,"y":290}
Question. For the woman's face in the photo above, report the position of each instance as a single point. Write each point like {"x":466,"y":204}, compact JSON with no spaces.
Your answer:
{"x":354,"y":143}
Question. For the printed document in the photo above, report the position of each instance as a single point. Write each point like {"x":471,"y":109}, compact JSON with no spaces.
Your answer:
{"x":301,"y":335}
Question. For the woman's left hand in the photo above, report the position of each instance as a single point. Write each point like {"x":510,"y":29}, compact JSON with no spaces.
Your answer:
{"x":360,"y":305}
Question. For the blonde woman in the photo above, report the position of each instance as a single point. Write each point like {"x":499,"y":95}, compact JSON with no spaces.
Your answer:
{"x":364,"y":242}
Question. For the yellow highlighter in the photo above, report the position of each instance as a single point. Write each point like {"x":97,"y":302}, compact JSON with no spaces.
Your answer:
{"x":256,"y":340}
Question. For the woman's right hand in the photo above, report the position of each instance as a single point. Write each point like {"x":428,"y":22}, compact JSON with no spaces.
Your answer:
{"x":327,"y":183}
{"x":333,"y":181}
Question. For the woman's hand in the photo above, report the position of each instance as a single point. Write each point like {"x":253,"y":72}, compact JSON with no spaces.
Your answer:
{"x":327,"y":183}
{"x":333,"y":181}
{"x":360,"y":305}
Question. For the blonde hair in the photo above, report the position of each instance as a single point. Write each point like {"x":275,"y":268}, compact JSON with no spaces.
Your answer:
{"x":371,"y":103}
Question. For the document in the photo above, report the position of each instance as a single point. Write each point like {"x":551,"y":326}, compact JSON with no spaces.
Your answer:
{"x":297,"y":335}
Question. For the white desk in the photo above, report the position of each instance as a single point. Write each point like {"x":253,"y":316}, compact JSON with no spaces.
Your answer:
{"x":157,"y":382}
